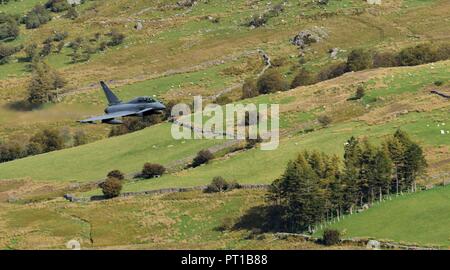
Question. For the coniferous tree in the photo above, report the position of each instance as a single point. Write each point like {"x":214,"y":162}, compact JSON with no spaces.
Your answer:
{"x":415,"y":165}
{"x":300,"y":196}
{"x":352,"y":153}
{"x":381,"y":169}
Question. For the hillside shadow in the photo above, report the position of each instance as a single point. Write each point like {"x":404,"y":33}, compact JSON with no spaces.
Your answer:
{"x":260,"y":219}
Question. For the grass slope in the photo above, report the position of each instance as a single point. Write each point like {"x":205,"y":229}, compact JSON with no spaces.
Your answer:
{"x":422,"y":218}
{"x":173,"y":221}
{"x":95,"y":160}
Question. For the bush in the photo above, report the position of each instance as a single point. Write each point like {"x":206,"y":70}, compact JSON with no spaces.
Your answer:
{"x":5,"y":52}
{"x":203,"y":157}
{"x":132,"y":124}
{"x":57,"y":5}
{"x":43,"y":84}
{"x":251,"y":143}
{"x":34,"y":148}
{"x":116,"y":174}
{"x":359,"y":59}
{"x":151,"y":170}
{"x":11,"y":151}
{"x":9,"y":29}
{"x":324,"y":120}
{"x":71,"y":13}
{"x":111,"y":188}
{"x":271,"y":81}
{"x":384,"y":59}
{"x":332,"y":71}
{"x":439,"y":83}
{"x":49,"y":140}
{"x":418,"y":55}
{"x":249,"y":89}
{"x":117,"y":38}
{"x":36,"y":17}
{"x":223,"y":100}
{"x":360,"y":92}
{"x":59,"y":36}
{"x":443,"y":52}
{"x":31,"y":51}
{"x":219,"y":184}
{"x":303,"y":78}
{"x":331,"y":237}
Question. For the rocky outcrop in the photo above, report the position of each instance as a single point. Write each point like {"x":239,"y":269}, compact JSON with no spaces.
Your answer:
{"x":309,"y":36}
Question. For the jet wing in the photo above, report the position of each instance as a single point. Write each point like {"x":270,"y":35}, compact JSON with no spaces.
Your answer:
{"x":144,"y":111}
{"x":107,"y":116}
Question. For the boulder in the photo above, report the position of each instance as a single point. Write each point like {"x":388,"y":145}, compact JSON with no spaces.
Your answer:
{"x":309,"y":36}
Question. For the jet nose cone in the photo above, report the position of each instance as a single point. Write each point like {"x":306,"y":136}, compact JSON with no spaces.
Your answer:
{"x":162,"y":106}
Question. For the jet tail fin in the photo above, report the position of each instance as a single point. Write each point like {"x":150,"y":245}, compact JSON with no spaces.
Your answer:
{"x":112,"y":99}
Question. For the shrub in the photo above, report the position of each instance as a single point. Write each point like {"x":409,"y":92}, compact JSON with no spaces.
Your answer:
{"x":219,"y":184}
{"x":60,"y":46}
{"x":46,"y":50}
{"x":384,"y":59}
{"x":116,"y":174}
{"x":117,"y":38}
{"x":359,"y":59}
{"x":31,"y":51}
{"x":43,"y":83}
{"x":223,"y":100}
{"x":250,"y":143}
{"x":443,"y":52}
{"x":417,"y":55}
{"x":331,"y":237}
{"x":11,"y":151}
{"x":258,"y":21}
{"x":34,"y":148}
{"x":151,"y":170}
{"x":49,"y":139}
{"x":36,"y":17}
{"x":71,"y":13}
{"x":5,"y":52}
{"x":249,"y":89}
{"x":324,"y":120}
{"x":59,"y":36}
{"x":80,"y":138}
{"x":203,"y":157}
{"x":303,"y":78}
{"x":278,"y":62}
{"x":9,"y":29}
{"x":360,"y":92}
{"x":57,"y":5}
{"x":332,"y":71}
{"x":439,"y":83}
{"x":111,"y":188}
{"x":271,"y":81}
{"x":132,"y":124}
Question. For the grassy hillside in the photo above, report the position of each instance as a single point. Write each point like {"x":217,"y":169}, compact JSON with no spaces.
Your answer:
{"x":95,"y":160}
{"x":182,"y":38}
{"x":421,"y":218}
{"x":398,"y":100}
{"x":176,"y":221}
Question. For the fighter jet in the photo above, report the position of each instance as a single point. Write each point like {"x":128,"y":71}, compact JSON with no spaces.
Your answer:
{"x":140,"y":106}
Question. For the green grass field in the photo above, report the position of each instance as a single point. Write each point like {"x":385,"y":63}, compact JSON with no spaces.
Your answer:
{"x":93,"y":161}
{"x":421,"y":218}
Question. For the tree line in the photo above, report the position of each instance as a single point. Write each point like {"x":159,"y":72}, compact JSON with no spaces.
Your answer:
{"x":314,"y":188}
{"x":43,"y":141}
